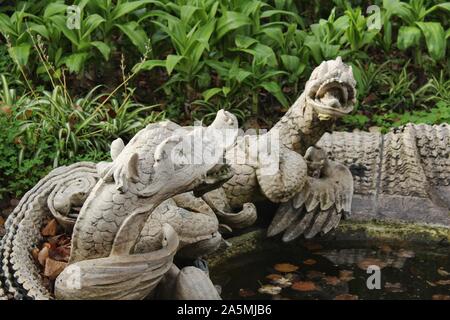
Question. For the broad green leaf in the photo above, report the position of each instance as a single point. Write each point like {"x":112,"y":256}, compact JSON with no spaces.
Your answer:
{"x":90,"y":24}
{"x":134,"y":32}
{"x":75,"y":61}
{"x":60,"y":22}
{"x":314,"y":47}
{"x":291,"y":63}
{"x":407,"y":37}
{"x":20,"y":53}
{"x":239,"y":74}
{"x":229,"y":21}
{"x":265,"y":54}
{"x":149,"y":65}
{"x":275,"y":90}
{"x":269,"y":13}
{"x":275,"y":34}
{"x":40,"y":29}
{"x":208,"y":94}
{"x":103,"y":48}
{"x":6,"y":26}
{"x":245,"y":42}
{"x":434,"y":38}
{"x":171,"y":62}
{"x":54,"y":8}
{"x":127,"y":7}
{"x":444,"y":6}
{"x":186,"y":13}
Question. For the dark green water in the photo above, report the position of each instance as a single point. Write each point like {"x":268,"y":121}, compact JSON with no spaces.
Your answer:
{"x":328,"y":271}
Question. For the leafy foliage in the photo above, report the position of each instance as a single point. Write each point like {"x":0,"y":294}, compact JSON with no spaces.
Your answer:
{"x":67,"y":92}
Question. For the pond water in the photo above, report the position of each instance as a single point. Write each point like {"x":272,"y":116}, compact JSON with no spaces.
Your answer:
{"x":337,"y":271}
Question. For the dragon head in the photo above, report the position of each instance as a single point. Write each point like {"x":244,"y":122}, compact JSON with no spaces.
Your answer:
{"x":194,"y":160}
{"x":331,"y":89}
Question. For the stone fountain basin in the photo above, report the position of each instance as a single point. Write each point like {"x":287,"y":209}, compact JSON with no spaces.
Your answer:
{"x":350,"y":231}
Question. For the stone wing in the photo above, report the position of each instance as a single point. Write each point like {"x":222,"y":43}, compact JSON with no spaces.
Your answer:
{"x":318,"y":207}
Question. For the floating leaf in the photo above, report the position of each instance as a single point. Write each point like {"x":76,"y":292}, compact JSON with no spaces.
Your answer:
{"x":346,"y":296}
{"x":393,"y":287}
{"x":346,"y":275}
{"x":331,"y":280}
{"x":269,"y":289}
{"x":304,"y":286}
{"x":365,"y":263}
{"x":431,"y":284}
{"x":244,"y":293}
{"x":443,"y":282}
{"x":309,"y":262}
{"x":285,"y":267}
{"x":440,"y":297}
{"x":274,"y":276}
{"x":443,"y":272}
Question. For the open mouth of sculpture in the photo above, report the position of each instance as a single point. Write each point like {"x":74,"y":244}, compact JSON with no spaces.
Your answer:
{"x":215,"y":178}
{"x":333,"y":98}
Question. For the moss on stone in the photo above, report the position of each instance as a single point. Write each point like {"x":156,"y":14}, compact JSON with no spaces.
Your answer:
{"x":355,"y":231}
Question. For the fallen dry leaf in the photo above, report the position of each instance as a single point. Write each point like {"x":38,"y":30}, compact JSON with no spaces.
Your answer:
{"x":53,"y":268}
{"x":244,"y":293}
{"x":440,"y":297}
{"x":43,"y":255}
{"x":346,"y":275}
{"x":333,"y":281}
{"x":393,"y":287}
{"x":2,"y":221}
{"x":443,"y":282}
{"x":274,"y":276}
{"x":50,"y":229}
{"x":285,"y":267}
{"x":346,"y":296}
{"x":269,"y":289}
{"x":309,"y":262}
{"x":35,"y":253}
{"x":365,"y":263}
{"x":443,"y":272}
{"x":61,"y":253}
{"x":304,"y":286}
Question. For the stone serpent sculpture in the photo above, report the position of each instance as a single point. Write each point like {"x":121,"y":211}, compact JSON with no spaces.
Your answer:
{"x":318,"y":201}
{"x":399,"y":174}
{"x":109,"y":257}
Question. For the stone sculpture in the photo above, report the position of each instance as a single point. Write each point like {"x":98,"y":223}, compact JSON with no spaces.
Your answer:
{"x":329,"y":93}
{"x":403,"y":175}
{"x":130,"y":217}
{"x":110,"y":257}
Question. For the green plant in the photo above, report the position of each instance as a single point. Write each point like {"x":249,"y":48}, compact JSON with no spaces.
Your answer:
{"x":415,"y":15}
